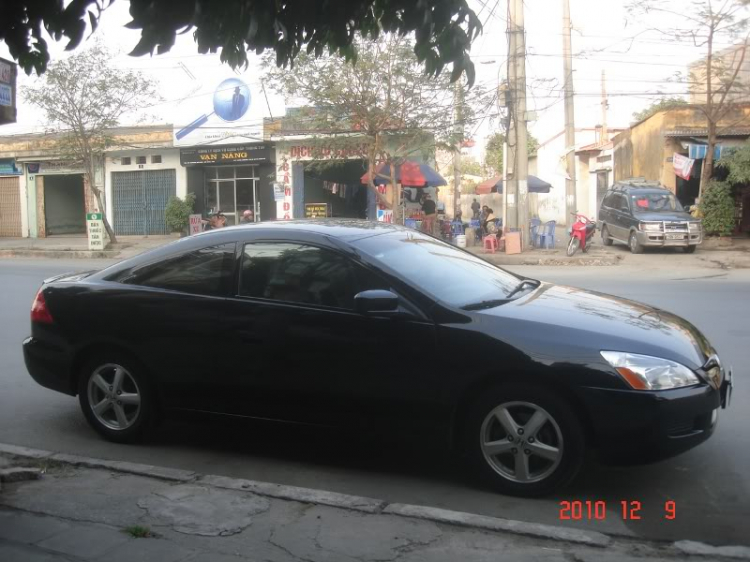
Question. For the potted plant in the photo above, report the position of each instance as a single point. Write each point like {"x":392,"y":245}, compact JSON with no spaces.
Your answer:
{"x":177,"y":214}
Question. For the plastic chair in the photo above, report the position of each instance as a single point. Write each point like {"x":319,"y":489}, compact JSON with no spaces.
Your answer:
{"x":546,"y":235}
{"x":410,"y":223}
{"x":457,"y":228}
{"x":490,"y":243}
{"x":534,"y":225}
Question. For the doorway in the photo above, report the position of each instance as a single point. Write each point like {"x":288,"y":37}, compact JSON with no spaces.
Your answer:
{"x":233,"y":190}
{"x":339,"y":185}
{"x":64,"y":204}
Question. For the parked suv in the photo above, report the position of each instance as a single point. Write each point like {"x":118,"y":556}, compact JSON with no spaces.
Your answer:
{"x":645,"y":214}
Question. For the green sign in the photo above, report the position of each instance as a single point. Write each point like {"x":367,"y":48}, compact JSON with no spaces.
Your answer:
{"x":93,"y":216}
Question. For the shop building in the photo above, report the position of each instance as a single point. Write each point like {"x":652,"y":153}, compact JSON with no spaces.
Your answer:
{"x":12,"y":199}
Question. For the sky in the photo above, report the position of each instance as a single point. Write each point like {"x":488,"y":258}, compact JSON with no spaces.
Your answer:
{"x":638,"y":66}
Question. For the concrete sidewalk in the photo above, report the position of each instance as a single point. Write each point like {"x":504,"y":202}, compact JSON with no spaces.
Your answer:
{"x":65,"y":247}
{"x":90,"y":510}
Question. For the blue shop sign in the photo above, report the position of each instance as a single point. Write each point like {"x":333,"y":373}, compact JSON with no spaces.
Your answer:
{"x":8,"y":167}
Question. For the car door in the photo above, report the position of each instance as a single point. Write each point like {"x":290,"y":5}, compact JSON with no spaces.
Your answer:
{"x":626,"y":216}
{"x":618,"y":218}
{"x":605,"y":213}
{"x":169,"y":316}
{"x":303,"y":354}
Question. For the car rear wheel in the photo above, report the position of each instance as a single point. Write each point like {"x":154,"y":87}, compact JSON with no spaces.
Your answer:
{"x":524,"y":441}
{"x":635,"y":246}
{"x":116,"y":397}
{"x":606,"y":240}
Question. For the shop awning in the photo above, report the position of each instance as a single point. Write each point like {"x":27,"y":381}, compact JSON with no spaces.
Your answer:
{"x":495,"y":185}
{"x":698,"y":151}
{"x":409,"y":174}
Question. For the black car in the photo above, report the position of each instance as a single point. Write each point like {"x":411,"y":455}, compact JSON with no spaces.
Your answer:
{"x":368,"y":324}
{"x":644,"y":214}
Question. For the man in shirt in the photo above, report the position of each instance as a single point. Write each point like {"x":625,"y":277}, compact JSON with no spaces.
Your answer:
{"x":247,"y":217}
{"x":475,"y":209}
{"x":430,"y":213}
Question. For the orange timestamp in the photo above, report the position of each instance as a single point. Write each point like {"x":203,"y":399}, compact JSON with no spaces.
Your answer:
{"x":597,"y":510}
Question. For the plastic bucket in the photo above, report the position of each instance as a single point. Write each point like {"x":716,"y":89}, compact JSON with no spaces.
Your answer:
{"x":461,"y":240}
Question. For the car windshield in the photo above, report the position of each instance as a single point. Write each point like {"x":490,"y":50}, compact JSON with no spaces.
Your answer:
{"x":446,"y":273}
{"x":655,"y":202}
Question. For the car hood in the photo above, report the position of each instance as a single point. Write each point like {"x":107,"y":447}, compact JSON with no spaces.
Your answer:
{"x":558,"y":320}
{"x":665,"y":216}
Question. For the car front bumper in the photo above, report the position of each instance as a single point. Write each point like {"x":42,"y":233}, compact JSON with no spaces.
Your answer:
{"x":48,"y":365}
{"x":631,"y":426}
{"x":659,"y":239}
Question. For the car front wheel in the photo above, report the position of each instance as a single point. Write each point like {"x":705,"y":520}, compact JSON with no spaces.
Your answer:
{"x":524,"y":441}
{"x":635,"y":246}
{"x":116,"y":398}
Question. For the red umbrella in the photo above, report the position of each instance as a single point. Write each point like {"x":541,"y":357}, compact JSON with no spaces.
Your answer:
{"x":411,"y":174}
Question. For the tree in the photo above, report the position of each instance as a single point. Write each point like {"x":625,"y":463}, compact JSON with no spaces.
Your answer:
{"x":382,"y":100}
{"x":471,"y":168}
{"x":657,"y":106}
{"x":717,"y":207}
{"x":493,"y":151}
{"x":82,"y":98}
{"x":443,"y":29}
{"x":705,"y":23}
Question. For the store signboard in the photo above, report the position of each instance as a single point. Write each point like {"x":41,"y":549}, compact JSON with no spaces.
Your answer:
{"x":232,"y":154}
{"x":196,"y":224}
{"x":317,"y":210}
{"x":8,"y":167}
{"x":8,"y":74}
{"x":385,"y":215}
{"x":95,"y":228}
{"x":54,"y":167}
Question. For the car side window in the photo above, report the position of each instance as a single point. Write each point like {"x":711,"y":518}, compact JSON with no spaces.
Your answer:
{"x":206,"y":271}
{"x":299,"y":273}
{"x":607,"y":202}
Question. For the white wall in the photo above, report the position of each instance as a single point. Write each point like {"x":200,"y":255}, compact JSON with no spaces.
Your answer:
{"x":170,"y":160}
{"x":24,"y":205}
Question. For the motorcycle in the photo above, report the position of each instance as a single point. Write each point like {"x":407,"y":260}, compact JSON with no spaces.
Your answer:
{"x":581,"y":234}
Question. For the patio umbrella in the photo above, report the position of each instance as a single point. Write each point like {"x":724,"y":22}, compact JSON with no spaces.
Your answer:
{"x":410,"y":174}
{"x":495,"y":185}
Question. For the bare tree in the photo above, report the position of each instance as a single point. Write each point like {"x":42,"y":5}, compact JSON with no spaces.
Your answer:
{"x":716,"y":78}
{"x":83,"y":97}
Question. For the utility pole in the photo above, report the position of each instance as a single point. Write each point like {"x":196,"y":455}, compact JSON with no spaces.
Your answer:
{"x":571,"y":204}
{"x":605,"y":105}
{"x":458,"y":133}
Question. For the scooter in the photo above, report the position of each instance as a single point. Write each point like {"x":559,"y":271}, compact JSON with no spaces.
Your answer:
{"x":581,"y":233}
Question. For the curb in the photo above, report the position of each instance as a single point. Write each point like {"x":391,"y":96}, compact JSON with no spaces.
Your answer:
{"x":321,"y":497}
{"x":60,"y":254}
{"x":369,"y":505}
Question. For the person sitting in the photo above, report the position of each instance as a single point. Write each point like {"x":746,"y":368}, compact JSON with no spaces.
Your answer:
{"x":489,"y":222}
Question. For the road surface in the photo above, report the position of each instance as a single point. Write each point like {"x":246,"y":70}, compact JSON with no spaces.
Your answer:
{"x":710,"y":485}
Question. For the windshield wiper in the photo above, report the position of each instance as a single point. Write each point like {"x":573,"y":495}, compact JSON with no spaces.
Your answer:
{"x":491,"y":303}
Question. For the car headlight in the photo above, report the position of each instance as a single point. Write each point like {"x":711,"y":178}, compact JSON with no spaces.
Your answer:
{"x":694,"y":226}
{"x":652,"y":226}
{"x":643,"y":372}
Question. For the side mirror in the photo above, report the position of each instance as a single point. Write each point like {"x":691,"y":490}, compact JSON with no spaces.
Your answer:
{"x":375,"y":301}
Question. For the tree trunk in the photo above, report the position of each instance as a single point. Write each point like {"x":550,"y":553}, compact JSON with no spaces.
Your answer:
{"x":397,"y":214}
{"x":107,"y":227}
{"x":708,"y":162}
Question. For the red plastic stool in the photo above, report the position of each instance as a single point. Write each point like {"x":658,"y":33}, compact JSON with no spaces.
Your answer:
{"x":490,"y":243}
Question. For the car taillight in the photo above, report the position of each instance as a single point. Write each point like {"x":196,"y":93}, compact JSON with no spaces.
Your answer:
{"x":39,"y":311}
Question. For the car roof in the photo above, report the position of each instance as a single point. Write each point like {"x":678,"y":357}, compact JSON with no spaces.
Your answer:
{"x":350,"y":229}
{"x":639,"y":185}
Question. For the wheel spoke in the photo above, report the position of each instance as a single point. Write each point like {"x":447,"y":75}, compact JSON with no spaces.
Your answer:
{"x":534,"y":424}
{"x":545,"y":451}
{"x":506,"y":420}
{"x":99,"y":381}
{"x":102,"y":407}
{"x":130,"y":399}
{"x":522,"y":466}
{"x":122,"y":419}
{"x":119,"y":376}
{"x":498,"y":447}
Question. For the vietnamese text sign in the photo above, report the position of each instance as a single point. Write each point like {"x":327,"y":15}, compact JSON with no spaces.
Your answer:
{"x":196,"y":224}
{"x":7,"y":92}
{"x":95,"y":228}
{"x":385,"y":215}
{"x":239,"y":154}
{"x":316,"y":210}
{"x":6,"y":95}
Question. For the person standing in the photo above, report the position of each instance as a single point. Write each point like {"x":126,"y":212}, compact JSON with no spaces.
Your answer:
{"x":430,"y":213}
{"x":475,"y":206}
{"x":247,"y":217}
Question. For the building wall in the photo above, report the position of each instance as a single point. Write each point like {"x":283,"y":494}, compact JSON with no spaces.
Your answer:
{"x":170,"y":160}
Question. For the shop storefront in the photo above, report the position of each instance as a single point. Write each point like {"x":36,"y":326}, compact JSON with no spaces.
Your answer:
{"x":232,"y":179}
{"x":11,"y":216}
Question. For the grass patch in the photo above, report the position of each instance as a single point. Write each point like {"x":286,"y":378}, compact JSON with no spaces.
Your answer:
{"x":139,"y":532}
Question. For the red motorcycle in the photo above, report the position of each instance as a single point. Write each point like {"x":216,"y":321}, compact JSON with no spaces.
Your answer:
{"x":581,"y":233}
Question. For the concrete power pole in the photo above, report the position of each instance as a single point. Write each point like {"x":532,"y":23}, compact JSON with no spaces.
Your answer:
{"x":605,"y":105}
{"x":458,"y":132}
{"x":522,"y":150}
{"x":571,"y":204}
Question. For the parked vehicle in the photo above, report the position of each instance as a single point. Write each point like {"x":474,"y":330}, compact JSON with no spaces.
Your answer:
{"x":369,"y":324}
{"x":581,"y":234}
{"x":644,"y":214}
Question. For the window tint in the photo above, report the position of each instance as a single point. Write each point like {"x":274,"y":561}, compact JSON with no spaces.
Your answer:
{"x":305,"y":274}
{"x":207,"y":271}
{"x":608,"y":200}
{"x":621,"y":202}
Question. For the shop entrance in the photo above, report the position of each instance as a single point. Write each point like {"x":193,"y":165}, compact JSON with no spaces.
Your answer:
{"x":687,"y":190}
{"x":233,"y":190}
{"x":64,"y":204}
{"x":338,"y":184}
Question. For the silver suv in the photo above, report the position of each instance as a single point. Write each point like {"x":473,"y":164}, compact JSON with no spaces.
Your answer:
{"x":645,"y":214}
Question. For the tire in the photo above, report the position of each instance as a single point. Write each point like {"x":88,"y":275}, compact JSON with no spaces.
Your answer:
{"x":119,"y":420}
{"x":634,"y":245}
{"x":573,"y":246}
{"x":690,"y":249}
{"x":606,"y":240}
{"x":561,"y":431}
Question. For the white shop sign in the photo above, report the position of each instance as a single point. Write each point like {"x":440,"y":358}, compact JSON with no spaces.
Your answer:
{"x":95,"y":227}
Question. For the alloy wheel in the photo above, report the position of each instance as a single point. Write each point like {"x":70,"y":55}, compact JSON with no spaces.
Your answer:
{"x":521,"y":442}
{"x":114,"y":396}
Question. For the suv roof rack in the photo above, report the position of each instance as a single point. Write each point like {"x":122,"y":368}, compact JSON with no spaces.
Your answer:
{"x":636,"y":182}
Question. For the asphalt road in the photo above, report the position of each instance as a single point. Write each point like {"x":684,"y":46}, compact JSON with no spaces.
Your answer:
{"x":710,"y":485}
